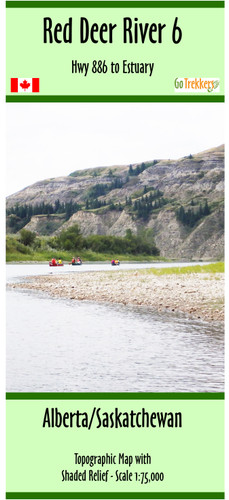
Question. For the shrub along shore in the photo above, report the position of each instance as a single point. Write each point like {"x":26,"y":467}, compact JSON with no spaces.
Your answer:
{"x":197,"y":291}
{"x":27,"y":246}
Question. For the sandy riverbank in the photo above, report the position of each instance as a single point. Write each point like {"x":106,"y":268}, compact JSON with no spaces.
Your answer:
{"x":200,"y":295}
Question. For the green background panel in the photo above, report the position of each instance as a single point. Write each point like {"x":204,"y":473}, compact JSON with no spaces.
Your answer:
{"x":191,"y":457}
{"x":195,"y":56}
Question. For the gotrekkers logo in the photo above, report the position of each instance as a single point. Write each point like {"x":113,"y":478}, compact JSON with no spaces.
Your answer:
{"x":197,"y":85}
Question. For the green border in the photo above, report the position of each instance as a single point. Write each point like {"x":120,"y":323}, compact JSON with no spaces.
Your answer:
{"x":113,"y":495}
{"x":115,"y":4}
{"x":115,"y":98}
{"x":187,"y":4}
{"x":130,"y":495}
{"x":115,"y":395}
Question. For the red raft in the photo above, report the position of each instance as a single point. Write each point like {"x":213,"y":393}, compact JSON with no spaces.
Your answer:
{"x":55,"y":265}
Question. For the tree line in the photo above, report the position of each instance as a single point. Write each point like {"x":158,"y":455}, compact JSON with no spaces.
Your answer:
{"x":148,"y":203}
{"x":21,"y":214}
{"x":27,"y":211}
{"x":101,"y":189}
{"x":72,"y":239}
{"x":191,"y":216}
{"x":139,"y":168}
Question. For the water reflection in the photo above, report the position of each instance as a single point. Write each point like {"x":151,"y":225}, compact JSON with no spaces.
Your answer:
{"x":64,"y":345}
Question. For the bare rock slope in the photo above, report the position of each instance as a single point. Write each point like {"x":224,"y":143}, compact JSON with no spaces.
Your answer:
{"x":189,"y":181}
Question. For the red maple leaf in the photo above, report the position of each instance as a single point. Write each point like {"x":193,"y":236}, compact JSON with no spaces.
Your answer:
{"x":25,"y":85}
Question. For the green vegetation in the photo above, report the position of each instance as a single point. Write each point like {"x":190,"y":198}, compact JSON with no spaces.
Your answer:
{"x":101,"y":189}
{"x":20,"y":215}
{"x":216,"y":267}
{"x":142,"y":191}
{"x":94,"y":204}
{"x":72,"y":239}
{"x":27,"y":246}
{"x":97,"y":171}
{"x":191,"y":216}
{"x":147,"y":204}
{"x":140,"y":168}
{"x":140,"y":208}
{"x":27,"y":238}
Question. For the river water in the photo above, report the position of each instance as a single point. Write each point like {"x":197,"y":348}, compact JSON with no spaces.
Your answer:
{"x":18,"y":271}
{"x":62,"y":345}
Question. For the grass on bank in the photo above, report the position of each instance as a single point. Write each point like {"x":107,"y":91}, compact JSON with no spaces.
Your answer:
{"x":216,"y":267}
{"x":17,"y":252}
{"x":87,"y":256}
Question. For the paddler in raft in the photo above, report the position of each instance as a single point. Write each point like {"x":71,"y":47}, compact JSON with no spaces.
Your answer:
{"x":75,"y":261}
{"x":115,"y":262}
{"x":54,"y":263}
{"x":59,"y":261}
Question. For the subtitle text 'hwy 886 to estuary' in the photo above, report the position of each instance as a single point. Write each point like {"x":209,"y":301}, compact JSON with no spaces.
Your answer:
{"x":102,"y":67}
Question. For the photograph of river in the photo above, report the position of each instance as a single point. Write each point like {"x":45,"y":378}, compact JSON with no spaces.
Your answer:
{"x":56,"y":344}
{"x":115,"y":251}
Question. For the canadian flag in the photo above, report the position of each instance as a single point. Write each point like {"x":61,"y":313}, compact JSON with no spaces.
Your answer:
{"x":24,"y":85}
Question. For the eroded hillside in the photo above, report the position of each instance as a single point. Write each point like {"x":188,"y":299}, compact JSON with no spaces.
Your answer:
{"x":181,"y":201}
